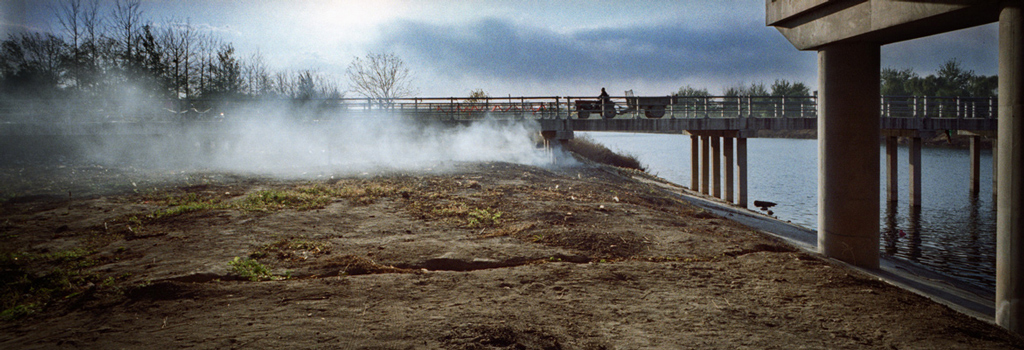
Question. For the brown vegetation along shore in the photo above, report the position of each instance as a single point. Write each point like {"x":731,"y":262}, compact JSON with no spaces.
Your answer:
{"x":476,"y":256}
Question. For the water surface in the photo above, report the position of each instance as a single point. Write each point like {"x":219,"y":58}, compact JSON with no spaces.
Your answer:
{"x":951,"y":232}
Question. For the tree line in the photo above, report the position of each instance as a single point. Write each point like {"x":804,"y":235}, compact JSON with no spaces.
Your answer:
{"x":950,"y":80}
{"x":115,"y":50}
{"x":780,"y":87}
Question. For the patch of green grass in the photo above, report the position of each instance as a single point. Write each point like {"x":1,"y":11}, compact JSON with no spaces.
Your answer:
{"x":363,"y":194}
{"x":74,"y":255}
{"x":317,"y":196}
{"x":308,"y":245}
{"x":30,"y":281}
{"x":183,"y":209}
{"x":303,"y":199}
{"x":176,"y":205}
{"x":482,"y":218}
{"x":250,"y":269}
{"x":18,"y":311}
{"x":465,"y":215}
{"x":451,"y":210}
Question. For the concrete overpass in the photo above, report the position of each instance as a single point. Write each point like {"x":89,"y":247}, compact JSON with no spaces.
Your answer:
{"x":848,"y":34}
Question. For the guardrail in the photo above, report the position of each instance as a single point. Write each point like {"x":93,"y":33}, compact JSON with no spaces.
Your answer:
{"x":462,"y":108}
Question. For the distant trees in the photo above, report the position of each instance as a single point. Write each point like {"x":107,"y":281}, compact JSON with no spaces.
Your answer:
{"x":780,"y":87}
{"x":113,"y":50}
{"x":380,"y":76}
{"x":950,"y":80}
{"x":783,"y":87}
{"x":32,"y":64}
{"x":755,"y":89}
{"x":477,"y":96}
{"x":689,"y":91}
{"x":225,"y":76}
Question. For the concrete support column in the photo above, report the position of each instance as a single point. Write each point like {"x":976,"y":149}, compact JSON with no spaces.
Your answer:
{"x":975,"y":177}
{"x":915,"y":171}
{"x":716,"y":167}
{"x":694,"y":162}
{"x":741,"y":170}
{"x":705,"y":159}
{"x":1009,"y":223}
{"x":727,"y":143}
{"x":848,"y":149}
{"x":892,"y":167}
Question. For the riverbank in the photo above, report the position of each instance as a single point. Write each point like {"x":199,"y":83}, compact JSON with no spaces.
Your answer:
{"x":464,"y":256}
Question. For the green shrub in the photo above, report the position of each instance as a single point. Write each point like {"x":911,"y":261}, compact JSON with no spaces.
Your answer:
{"x":250,"y":269}
{"x":482,"y":218}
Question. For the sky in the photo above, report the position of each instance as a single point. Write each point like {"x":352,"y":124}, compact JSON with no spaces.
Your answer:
{"x":527,"y":48}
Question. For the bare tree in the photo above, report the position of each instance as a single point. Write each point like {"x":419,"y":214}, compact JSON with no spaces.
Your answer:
{"x":127,"y":18}
{"x":70,"y":17}
{"x":92,"y":23}
{"x":256,"y":75}
{"x":206,"y":56}
{"x":181,"y":38}
{"x":380,"y":76}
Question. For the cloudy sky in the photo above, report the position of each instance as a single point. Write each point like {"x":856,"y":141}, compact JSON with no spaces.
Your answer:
{"x":531,"y":48}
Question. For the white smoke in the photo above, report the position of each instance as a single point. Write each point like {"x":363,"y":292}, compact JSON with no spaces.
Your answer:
{"x":288,"y":142}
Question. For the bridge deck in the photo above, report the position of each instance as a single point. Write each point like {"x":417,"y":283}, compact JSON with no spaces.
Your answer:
{"x":660,"y":114}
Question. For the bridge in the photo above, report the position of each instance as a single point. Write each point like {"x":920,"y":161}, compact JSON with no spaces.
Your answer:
{"x":718,"y":125}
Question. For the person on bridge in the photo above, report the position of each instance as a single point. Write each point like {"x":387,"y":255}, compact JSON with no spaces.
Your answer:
{"x":606,"y":103}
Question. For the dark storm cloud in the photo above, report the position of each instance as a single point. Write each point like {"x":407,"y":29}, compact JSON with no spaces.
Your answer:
{"x":494,"y":48}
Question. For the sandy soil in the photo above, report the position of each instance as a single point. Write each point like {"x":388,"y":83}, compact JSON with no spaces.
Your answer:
{"x":477,"y":256}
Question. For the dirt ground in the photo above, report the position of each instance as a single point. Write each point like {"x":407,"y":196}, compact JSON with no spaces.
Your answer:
{"x":471,"y":256}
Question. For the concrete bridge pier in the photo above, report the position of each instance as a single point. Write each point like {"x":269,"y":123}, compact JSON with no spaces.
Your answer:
{"x":892,"y":168}
{"x":848,"y":149}
{"x":915,"y":170}
{"x":729,"y":164}
{"x":892,"y":165}
{"x":694,"y":162}
{"x":705,"y":158}
{"x":716,"y":167}
{"x":556,"y":133}
{"x":1009,"y":301}
{"x":741,"y":170}
{"x":975,"y":170}
{"x":706,"y":169}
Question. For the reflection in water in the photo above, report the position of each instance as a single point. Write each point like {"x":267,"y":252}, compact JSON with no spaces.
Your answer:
{"x":974,"y":231}
{"x":892,"y":234}
{"x":914,"y":233}
{"x":895,"y":237}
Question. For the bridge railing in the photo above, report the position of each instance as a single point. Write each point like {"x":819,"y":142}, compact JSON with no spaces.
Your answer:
{"x":743,"y":107}
{"x":465,"y":108}
{"x":939,"y":107}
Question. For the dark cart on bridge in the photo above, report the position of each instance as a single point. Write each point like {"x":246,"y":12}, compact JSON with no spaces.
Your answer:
{"x":585,"y":107}
{"x":653,"y":107}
